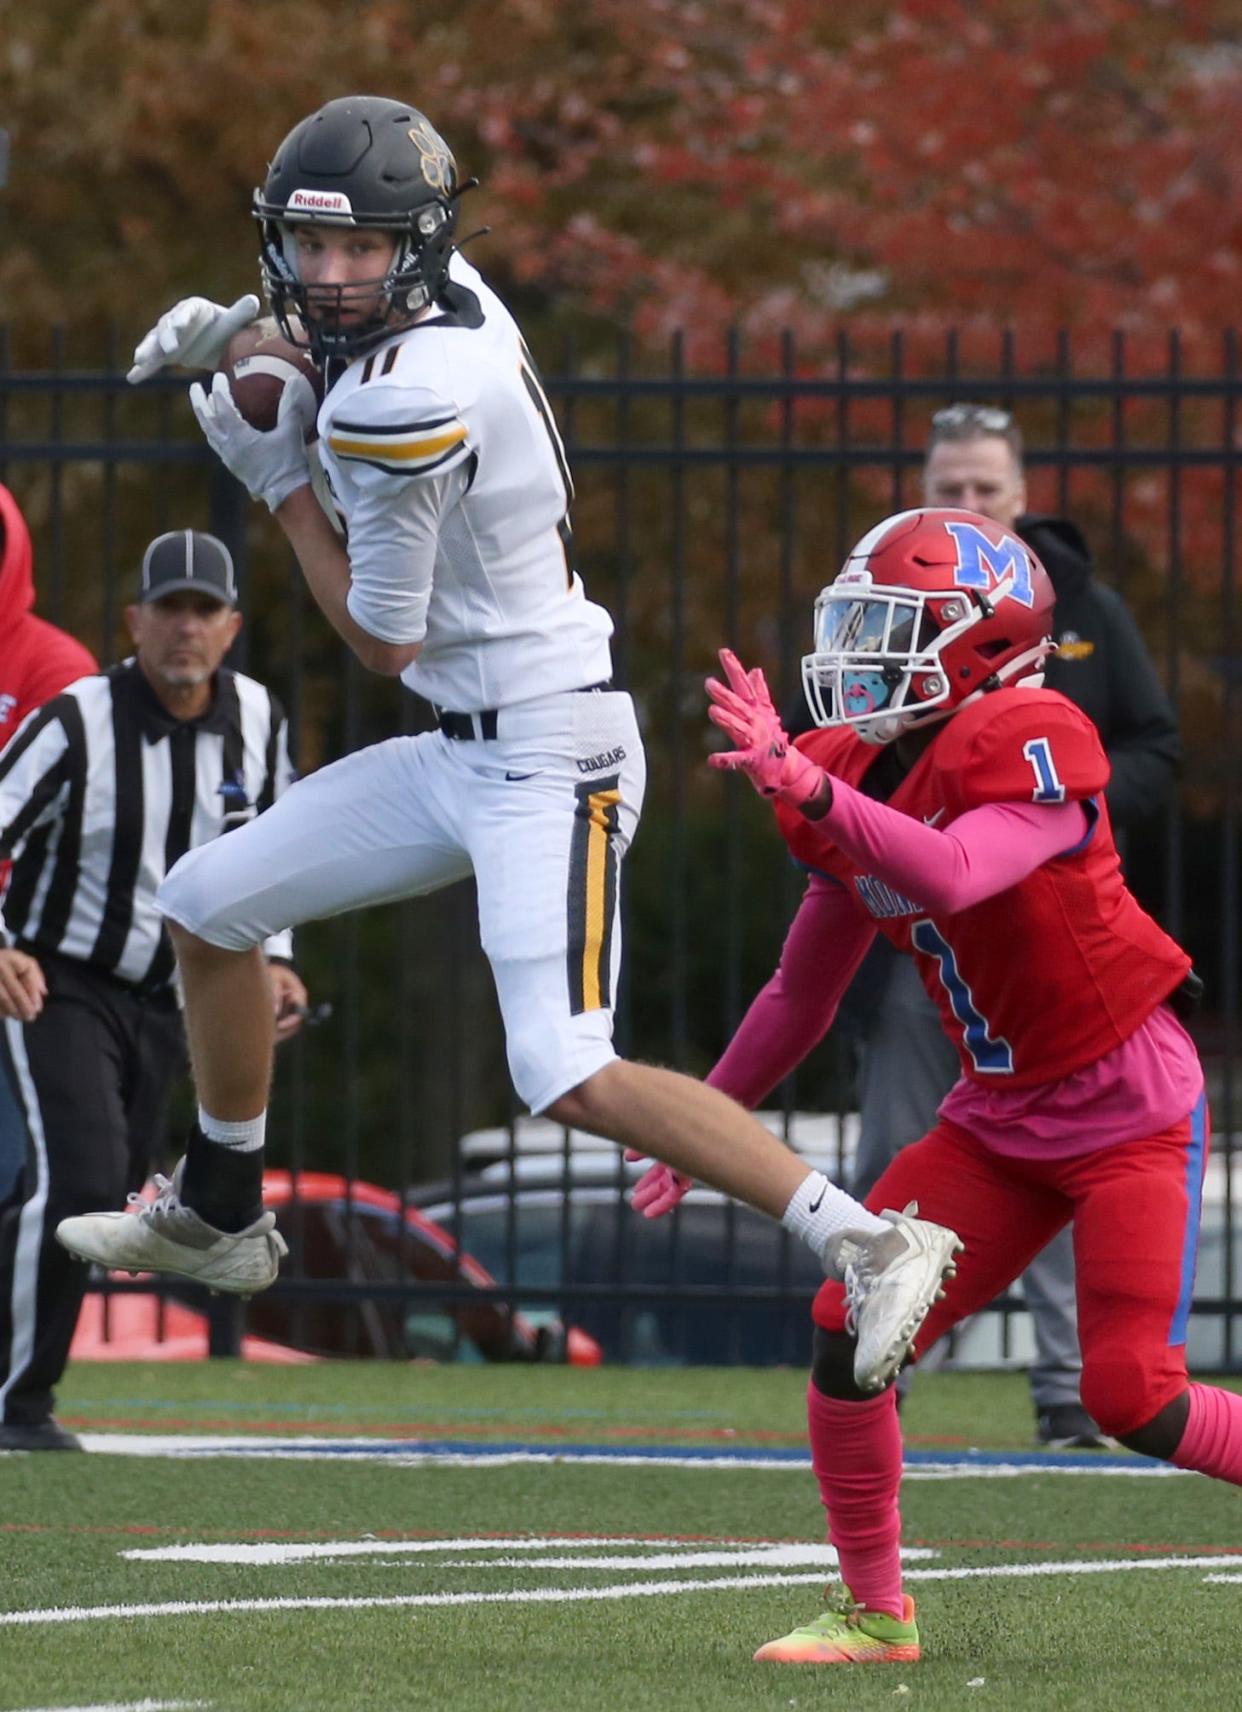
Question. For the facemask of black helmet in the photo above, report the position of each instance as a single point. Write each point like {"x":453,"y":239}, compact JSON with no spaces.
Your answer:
{"x":361,"y":164}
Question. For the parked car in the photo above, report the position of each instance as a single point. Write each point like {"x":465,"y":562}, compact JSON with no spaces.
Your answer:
{"x":543,"y":1208}
{"x":338,"y":1229}
{"x":571,"y":1224}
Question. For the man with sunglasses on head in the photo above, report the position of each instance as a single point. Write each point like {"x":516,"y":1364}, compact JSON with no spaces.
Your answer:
{"x":974,"y":462}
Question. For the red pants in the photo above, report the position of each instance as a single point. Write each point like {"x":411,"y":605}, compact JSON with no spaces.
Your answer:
{"x":1135,"y":1209}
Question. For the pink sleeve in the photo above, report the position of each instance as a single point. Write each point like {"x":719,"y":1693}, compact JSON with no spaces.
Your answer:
{"x":984,"y":852}
{"x":824,"y":946}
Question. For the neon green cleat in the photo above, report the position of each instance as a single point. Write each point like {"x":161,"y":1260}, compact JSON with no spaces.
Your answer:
{"x":849,"y":1634}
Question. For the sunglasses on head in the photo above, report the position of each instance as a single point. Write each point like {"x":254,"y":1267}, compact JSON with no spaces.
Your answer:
{"x":989,"y":417}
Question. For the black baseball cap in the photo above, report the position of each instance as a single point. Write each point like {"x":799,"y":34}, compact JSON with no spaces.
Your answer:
{"x":187,"y":559}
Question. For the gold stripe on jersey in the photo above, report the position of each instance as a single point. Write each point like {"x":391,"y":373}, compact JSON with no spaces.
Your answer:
{"x":410,"y":449}
{"x":592,"y":895}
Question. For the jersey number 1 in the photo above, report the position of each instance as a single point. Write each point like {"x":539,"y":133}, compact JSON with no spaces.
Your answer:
{"x":989,"y":1053}
{"x":1048,"y":787}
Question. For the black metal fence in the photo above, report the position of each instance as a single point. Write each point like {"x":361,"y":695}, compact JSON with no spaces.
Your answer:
{"x":715,"y":499}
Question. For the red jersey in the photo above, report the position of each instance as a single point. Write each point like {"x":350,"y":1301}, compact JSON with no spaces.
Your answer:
{"x":1043,"y":978}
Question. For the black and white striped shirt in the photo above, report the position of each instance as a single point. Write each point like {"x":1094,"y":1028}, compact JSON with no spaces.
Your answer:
{"x":101,"y":790}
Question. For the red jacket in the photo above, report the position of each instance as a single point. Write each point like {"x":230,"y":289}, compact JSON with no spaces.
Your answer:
{"x":37,"y":660}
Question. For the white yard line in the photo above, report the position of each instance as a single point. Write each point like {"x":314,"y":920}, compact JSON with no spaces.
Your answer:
{"x":1088,"y":1566}
{"x":525,"y":1596}
{"x":579,"y":1595}
{"x":1018,"y":1469}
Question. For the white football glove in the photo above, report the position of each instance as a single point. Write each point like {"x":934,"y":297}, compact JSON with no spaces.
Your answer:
{"x":272,"y":464}
{"x":193,"y":333}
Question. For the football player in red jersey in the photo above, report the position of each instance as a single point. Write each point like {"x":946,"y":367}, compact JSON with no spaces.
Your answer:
{"x":950,"y":803}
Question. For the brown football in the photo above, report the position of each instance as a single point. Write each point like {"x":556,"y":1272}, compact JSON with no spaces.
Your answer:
{"x":259,"y":360}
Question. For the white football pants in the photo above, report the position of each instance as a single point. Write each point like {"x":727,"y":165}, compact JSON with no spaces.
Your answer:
{"x":541,"y":815}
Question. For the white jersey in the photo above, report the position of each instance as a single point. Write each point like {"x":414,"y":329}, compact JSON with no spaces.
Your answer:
{"x":442,"y":454}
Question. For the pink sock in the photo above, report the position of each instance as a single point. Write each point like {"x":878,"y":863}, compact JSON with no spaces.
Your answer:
{"x":856,"y":1455}
{"x":1212,"y":1442}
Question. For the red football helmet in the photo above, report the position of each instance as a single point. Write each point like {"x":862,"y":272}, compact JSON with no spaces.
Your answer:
{"x":930,"y":610}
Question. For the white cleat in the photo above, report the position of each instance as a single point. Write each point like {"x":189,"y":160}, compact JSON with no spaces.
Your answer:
{"x":891,"y":1280}
{"x":164,"y":1235}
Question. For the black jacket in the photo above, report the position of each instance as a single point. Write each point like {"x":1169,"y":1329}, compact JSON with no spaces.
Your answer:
{"x":1103,"y":666}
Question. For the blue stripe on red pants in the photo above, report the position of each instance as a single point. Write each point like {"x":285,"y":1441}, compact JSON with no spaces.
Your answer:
{"x":1196,"y":1159}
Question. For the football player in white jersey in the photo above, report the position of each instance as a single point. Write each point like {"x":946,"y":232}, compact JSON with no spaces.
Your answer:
{"x":456,"y":572}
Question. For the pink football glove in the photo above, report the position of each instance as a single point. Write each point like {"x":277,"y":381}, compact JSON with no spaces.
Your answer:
{"x":657,"y":1191}
{"x":743,"y":710}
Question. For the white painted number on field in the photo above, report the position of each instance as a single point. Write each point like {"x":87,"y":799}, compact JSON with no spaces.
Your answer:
{"x":547,"y":1553}
{"x":129,"y":1706}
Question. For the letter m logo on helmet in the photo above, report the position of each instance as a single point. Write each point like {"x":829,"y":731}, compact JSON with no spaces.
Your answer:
{"x":995,"y":568}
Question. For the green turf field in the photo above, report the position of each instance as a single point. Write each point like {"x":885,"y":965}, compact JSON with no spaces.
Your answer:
{"x":376,"y":1579}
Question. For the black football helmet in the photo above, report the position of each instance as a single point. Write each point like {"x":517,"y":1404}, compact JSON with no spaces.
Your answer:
{"x":360,"y":161}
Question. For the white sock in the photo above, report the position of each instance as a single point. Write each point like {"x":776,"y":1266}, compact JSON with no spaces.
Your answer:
{"x":818,"y":1211}
{"x":244,"y":1137}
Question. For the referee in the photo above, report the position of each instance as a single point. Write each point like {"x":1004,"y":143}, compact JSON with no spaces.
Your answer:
{"x":101,"y":790}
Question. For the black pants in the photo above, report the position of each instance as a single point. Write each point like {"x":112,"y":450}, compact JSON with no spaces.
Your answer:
{"x":83,"y":1097}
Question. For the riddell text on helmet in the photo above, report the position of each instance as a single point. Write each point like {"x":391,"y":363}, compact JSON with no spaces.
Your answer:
{"x":323,"y":201}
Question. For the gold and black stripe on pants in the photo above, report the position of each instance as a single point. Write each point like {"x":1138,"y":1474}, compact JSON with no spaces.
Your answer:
{"x":593,"y":865}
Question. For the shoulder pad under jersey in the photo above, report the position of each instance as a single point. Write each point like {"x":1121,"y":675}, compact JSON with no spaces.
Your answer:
{"x":388,"y":424}
{"x":1019,"y":745}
